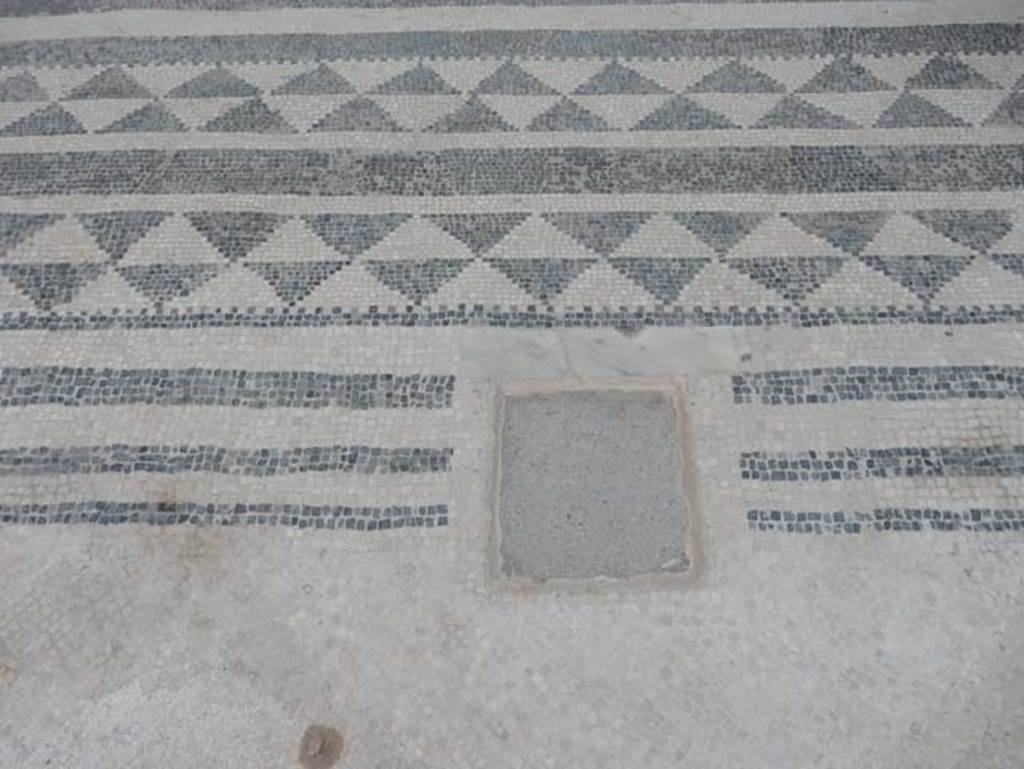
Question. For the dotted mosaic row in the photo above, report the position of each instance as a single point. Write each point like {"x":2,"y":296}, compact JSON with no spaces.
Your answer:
{"x":106,"y":513}
{"x":887,"y":520}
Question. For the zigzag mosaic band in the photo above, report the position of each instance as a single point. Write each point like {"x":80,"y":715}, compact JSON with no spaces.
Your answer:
{"x":657,"y":264}
{"x":541,"y":43}
{"x":123,"y":459}
{"x":107,"y":513}
{"x":982,"y":520}
{"x":527,"y":99}
{"x":66,"y":386}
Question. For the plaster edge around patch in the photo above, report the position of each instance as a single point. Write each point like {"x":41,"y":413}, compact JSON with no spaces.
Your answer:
{"x":690,"y":577}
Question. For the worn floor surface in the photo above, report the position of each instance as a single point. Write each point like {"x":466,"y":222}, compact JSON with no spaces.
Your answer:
{"x":264,"y":272}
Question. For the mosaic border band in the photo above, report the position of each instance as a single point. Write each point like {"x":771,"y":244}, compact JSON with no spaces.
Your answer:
{"x":900,"y":462}
{"x":887,"y":520}
{"x":195,"y":514}
{"x":541,"y":43}
{"x":67,"y":386}
{"x":544,"y":171}
{"x":54,"y":7}
{"x":165,"y":459}
{"x":879,"y":383}
{"x":626,"y":319}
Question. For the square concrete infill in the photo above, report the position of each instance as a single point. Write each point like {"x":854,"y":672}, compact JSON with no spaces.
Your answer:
{"x":591,"y":485}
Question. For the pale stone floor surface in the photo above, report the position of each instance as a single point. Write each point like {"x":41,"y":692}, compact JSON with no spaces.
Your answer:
{"x":271,"y":271}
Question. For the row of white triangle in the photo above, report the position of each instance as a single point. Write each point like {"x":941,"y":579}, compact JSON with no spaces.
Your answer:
{"x":176,"y":240}
{"x":856,"y":285}
{"x":620,"y":112}
{"x":981,"y":284}
{"x":563,"y":76}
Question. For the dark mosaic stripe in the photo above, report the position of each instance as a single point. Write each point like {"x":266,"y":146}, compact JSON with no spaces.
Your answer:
{"x":119,"y":458}
{"x":65,"y":386}
{"x":886,"y":519}
{"x":190,"y":513}
{"x":901,"y":462}
{"x":51,"y":7}
{"x":530,"y":317}
{"x":864,"y":383}
{"x":542,"y":43}
{"x":560,"y":170}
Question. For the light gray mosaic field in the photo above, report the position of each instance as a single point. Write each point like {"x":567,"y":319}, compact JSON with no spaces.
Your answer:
{"x":270,"y":268}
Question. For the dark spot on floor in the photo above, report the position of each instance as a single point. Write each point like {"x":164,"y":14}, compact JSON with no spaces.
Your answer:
{"x":320,"y":747}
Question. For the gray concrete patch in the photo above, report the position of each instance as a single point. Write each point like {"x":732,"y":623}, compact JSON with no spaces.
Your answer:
{"x":591,"y":484}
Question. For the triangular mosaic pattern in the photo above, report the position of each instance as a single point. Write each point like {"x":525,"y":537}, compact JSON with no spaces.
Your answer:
{"x":1010,"y":113}
{"x":321,"y":81}
{"x":618,"y":79}
{"x":794,"y":112}
{"x":163,"y":283}
{"x":978,"y":230}
{"x":17,"y":228}
{"x":21,"y":87}
{"x":543,"y":279}
{"x":51,"y":284}
{"x":479,"y":232}
{"x":683,"y":114}
{"x":472,"y":117}
{"x":849,"y":231}
{"x":111,"y":83}
{"x":294,"y":281}
{"x":925,"y":276}
{"x":164,"y":256}
{"x":416,"y":279}
{"x":117,"y":231}
{"x":51,"y":120}
{"x":217,"y":82}
{"x":512,"y":80}
{"x":150,"y":118}
{"x":601,"y":232}
{"x":948,"y":72}
{"x":914,"y":111}
{"x":843,"y":75}
{"x":235,"y":233}
{"x":737,"y":77}
{"x":352,"y":234}
{"x":567,"y":115}
{"x":720,"y":230}
{"x":663,"y":278}
{"x":360,"y":114}
{"x":419,"y":80}
{"x":252,"y":116}
{"x":791,"y":277}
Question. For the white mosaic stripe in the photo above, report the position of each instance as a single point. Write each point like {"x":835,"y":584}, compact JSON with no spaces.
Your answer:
{"x":181,"y":425}
{"x":377,"y":141}
{"x":834,"y":426}
{"x":128,"y":23}
{"x":535,"y":203}
{"x":337,"y":350}
{"x":328,"y":489}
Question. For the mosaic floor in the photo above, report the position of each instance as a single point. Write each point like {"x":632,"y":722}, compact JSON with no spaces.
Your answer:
{"x":267,"y":266}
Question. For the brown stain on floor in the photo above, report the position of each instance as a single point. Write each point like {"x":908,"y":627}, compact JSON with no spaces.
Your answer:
{"x":320,"y":747}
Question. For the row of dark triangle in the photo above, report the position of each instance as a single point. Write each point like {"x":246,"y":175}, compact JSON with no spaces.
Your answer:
{"x":910,"y":110}
{"x":236,"y":234}
{"x":841,"y":75}
{"x":49,"y":285}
